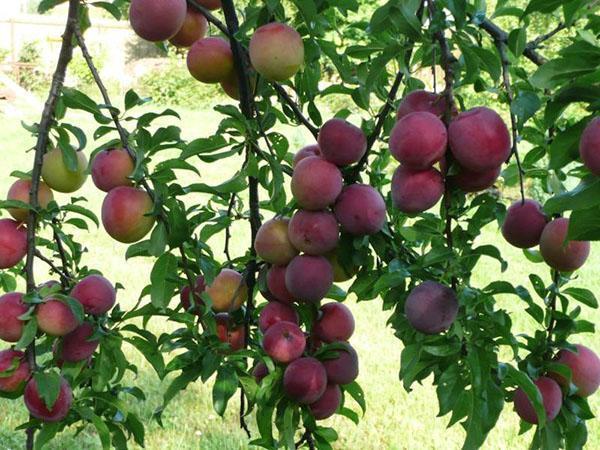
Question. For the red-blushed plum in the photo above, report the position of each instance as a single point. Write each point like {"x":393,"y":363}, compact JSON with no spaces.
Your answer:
{"x":126,"y":214}
{"x":186,"y":295}
{"x":284,"y":342}
{"x":276,"y":51}
{"x":276,"y":284}
{"x":210,"y":60}
{"x":341,"y":272}
{"x":305,"y":152}
{"x":194,"y":28}
{"x":20,"y":191}
{"x":341,"y":142}
{"x":273,"y":242}
{"x":210,"y":4}
{"x":111,"y":168}
{"x":309,"y":278}
{"x":260,"y":371}
{"x":360,"y":210}
{"x":96,"y":294}
{"x":524,"y":224}
{"x":421,"y":100}
{"x":555,"y":250}
{"x":551,"y":399}
{"x":37,"y":406}
{"x":231,"y":85}
{"x":55,"y":318}
{"x":416,"y":191}
{"x":234,"y":335}
{"x":468,"y":181}
{"x":328,"y":404}
{"x":157,"y":20}
{"x":305,"y":380}
{"x":57,"y":175}
{"x":585,"y":369}
{"x":342,"y":369}
{"x":335,"y":323}
{"x":431,"y":307}
{"x":316,"y":183}
{"x":11,"y":308}
{"x":13,"y":243}
{"x":228,"y":291}
{"x":419,"y":140}
{"x":14,"y":371}
{"x":589,"y":146}
{"x":77,"y":346}
{"x":275,"y":312}
{"x":314,"y":232}
{"x":479,"y":139}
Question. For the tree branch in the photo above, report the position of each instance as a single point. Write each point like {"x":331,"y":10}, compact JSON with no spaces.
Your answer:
{"x":535,"y":43}
{"x":65,"y":55}
{"x":53,"y":266}
{"x":499,"y":34}
{"x":295,"y":108}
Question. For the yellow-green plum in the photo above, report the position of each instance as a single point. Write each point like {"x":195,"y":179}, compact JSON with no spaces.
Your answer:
{"x":276,"y":51}
{"x":228,"y":291}
{"x":273,"y":243}
{"x":157,"y":20}
{"x":210,"y":60}
{"x":126,"y":214}
{"x":57,"y":175}
{"x":20,"y":191}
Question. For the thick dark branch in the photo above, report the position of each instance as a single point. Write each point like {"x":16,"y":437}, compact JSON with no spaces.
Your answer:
{"x":551,"y":306}
{"x":498,"y":34}
{"x":535,"y":43}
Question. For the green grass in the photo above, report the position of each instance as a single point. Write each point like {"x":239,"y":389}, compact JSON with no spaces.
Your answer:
{"x":395,"y":419}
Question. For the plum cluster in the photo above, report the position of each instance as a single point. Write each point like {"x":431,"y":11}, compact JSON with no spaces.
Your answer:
{"x":276,"y":50}
{"x":478,"y":140}
{"x":75,"y":340}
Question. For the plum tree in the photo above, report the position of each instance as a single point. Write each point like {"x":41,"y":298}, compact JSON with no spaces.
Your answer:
{"x":305,"y":380}
{"x":328,"y":404}
{"x":421,"y":100}
{"x":59,"y":176}
{"x":276,"y":51}
{"x":277,"y":286}
{"x":284,"y":342}
{"x":341,"y":142}
{"x":14,"y":371}
{"x":555,"y":250}
{"x":40,"y":409}
{"x":431,"y":307}
{"x":96,"y":294}
{"x":77,"y":345}
{"x":585,"y":369}
{"x":305,"y":152}
{"x":342,"y":369}
{"x":416,"y":191}
{"x":230,"y":333}
{"x":274,"y":312}
{"x":551,"y":399}
{"x":55,"y":317}
{"x":316,"y":183}
{"x":273,"y":243}
{"x":186,"y":299}
{"x":360,"y":210}
{"x":335,"y":323}
{"x":210,"y":60}
{"x":157,"y":20}
{"x":479,"y":139}
{"x":418,"y":140}
{"x":228,"y":291}
{"x":589,"y":146}
{"x":314,"y":232}
{"x":127,"y":214}
{"x":524,"y":223}
{"x":193,"y":29}
{"x":112,"y":168}
{"x":13,"y":243}
{"x":20,"y":191}
{"x":11,"y":308}
{"x":309,"y":278}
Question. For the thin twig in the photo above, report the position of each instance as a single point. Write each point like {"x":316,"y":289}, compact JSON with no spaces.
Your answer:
{"x":65,"y":55}
{"x":62,"y":254}
{"x":535,"y":43}
{"x":552,"y":307}
{"x":283,"y":95}
{"x":499,"y":34}
{"x":53,"y":266}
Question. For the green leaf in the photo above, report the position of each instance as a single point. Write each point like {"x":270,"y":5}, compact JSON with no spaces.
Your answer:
{"x":586,"y":195}
{"x":357,"y":394}
{"x":29,"y":332}
{"x":163,"y":288}
{"x":517,"y":40}
{"x":225,"y":387}
{"x":48,"y":385}
{"x":524,"y":106}
{"x":101,"y":428}
{"x":522,"y":380}
{"x":584,"y":225}
{"x":46,"y":434}
{"x":582,"y":295}
{"x":81,"y":211}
